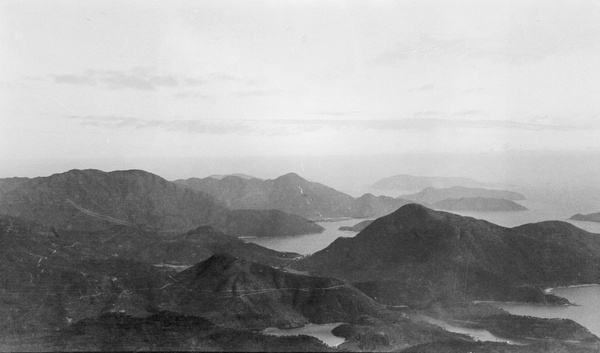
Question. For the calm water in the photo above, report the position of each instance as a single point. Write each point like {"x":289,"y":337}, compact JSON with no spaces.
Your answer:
{"x":586,"y":313}
{"x":477,"y":334}
{"x":537,"y":212}
{"x":322,"y":332}
{"x":308,"y":244}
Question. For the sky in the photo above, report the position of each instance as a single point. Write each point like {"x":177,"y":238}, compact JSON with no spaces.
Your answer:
{"x":178,"y":79}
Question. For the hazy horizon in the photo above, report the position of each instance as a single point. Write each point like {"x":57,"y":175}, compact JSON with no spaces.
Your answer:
{"x":342,"y":93}
{"x":537,"y":172}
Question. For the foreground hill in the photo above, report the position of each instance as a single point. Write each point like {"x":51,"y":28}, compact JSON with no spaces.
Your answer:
{"x":592,"y":217}
{"x":433,"y":195}
{"x":292,"y":194}
{"x":60,"y":295}
{"x":411,"y":182}
{"x":479,"y":204}
{"x":50,"y":278}
{"x":232,"y":291}
{"x":168,"y":332}
{"x":418,"y":256}
{"x":93,"y":200}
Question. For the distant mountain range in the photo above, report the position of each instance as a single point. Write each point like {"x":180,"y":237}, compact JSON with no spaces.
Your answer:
{"x":239,"y":175}
{"x":432,"y":195}
{"x":592,"y":217}
{"x":94,"y":200}
{"x":480,"y":204}
{"x":417,"y":256}
{"x":416,"y":183}
{"x":292,"y":194}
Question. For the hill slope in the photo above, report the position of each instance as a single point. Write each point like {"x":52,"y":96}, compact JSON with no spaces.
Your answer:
{"x":425,"y":256}
{"x":369,"y":205}
{"x":289,"y":193}
{"x":93,"y":200}
{"x":233,"y":291}
{"x":51,"y":277}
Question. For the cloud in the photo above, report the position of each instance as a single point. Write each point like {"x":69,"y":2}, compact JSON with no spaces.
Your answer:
{"x":513,"y":49}
{"x":470,"y":112}
{"x":427,"y":113}
{"x":190,"y":95}
{"x":257,"y":93}
{"x":336,"y":113}
{"x":424,"y":88}
{"x":290,"y":127}
{"x":144,"y":79}
{"x":473,"y":90}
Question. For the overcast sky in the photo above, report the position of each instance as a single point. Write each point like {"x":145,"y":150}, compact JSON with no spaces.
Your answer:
{"x":104,"y":79}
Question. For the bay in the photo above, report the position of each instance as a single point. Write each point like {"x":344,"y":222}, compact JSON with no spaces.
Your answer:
{"x":321,"y":332}
{"x":310,"y":243}
{"x":586,"y":310}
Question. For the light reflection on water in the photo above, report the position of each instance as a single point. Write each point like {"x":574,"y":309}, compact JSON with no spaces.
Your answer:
{"x":322,"y":332}
{"x":477,"y":334}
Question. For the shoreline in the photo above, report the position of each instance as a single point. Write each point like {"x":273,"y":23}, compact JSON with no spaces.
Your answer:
{"x":550,"y":289}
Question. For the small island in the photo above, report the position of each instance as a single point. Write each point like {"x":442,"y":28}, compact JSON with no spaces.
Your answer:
{"x":592,"y":217}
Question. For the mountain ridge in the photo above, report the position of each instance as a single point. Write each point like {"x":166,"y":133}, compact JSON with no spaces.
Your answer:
{"x":293,"y":194}
{"x":90,"y":199}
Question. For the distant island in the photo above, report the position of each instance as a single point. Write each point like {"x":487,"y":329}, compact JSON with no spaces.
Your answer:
{"x":432,"y":195}
{"x":414,"y":183}
{"x":479,"y":204}
{"x":592,"y":217}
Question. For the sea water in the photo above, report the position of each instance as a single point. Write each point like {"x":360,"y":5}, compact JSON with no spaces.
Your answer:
{"x":586,"y":310}
{"x":311,"y":243}
{"x":322,"y":332}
